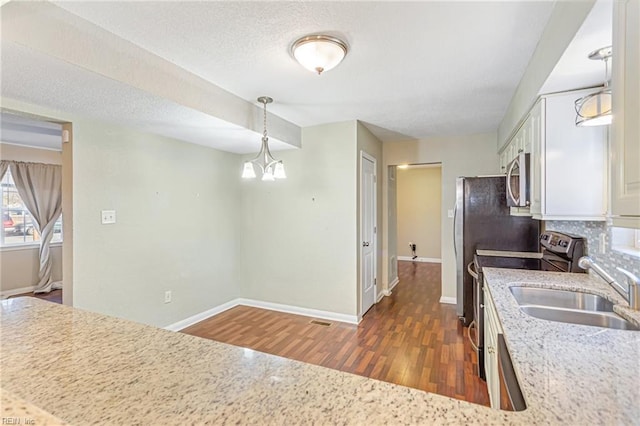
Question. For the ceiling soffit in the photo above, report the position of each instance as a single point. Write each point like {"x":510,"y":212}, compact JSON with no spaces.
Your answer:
{"x":49,"y":30}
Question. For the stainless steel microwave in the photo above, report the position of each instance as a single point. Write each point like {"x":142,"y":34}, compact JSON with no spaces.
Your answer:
{"x":518,"y":182}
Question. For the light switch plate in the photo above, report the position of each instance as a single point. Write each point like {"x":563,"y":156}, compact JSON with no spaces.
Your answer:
{"x":450,"y":213}
{"x":108,"y":216}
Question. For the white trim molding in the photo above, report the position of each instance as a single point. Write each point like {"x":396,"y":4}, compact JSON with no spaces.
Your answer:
{"x":420,"y":259}
{"x":12,"y":292}
{"x":180,"y":325}
{"x":448,"y":300}
{"x":307,"y":312}
{"x":393,"y":283}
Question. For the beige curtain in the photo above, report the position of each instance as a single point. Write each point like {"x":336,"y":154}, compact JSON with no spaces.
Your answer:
{"x":4,"y":165}
{"x":40,"y":187}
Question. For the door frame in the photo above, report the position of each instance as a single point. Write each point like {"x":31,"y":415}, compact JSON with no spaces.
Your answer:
{"x":366,"y":156}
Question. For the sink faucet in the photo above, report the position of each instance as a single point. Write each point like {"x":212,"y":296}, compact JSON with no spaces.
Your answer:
{"x":631,"y":294}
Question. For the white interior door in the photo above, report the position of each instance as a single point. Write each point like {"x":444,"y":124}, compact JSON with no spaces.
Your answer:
{"x":368,"y":231}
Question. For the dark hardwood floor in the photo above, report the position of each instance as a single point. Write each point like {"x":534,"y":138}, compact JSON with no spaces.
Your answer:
{"x":409,"y":338}
{"x":54,"y":296}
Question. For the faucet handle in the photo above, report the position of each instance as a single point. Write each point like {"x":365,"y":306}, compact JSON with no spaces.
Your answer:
{"x":633,"y":283}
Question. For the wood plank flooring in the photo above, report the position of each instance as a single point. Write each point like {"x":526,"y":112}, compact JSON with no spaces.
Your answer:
{"x":54,"y":296}
{"x":409,"y":338}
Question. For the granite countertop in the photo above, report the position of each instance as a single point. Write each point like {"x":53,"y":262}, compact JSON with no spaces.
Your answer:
{"x":86,"y":368}
{"x":575,"y":374}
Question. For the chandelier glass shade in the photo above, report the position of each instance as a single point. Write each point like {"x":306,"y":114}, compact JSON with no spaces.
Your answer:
{"x":270,"y":168}
{"x":595,"y":109}
{"x":319,"y":53}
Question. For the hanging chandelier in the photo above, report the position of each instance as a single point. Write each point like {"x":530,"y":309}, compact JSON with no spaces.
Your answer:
{"x":595,"y":109}
{"x":270,"y":168}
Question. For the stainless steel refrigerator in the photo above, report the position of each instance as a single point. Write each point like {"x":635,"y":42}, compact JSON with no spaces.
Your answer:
{"x":482,"y":221}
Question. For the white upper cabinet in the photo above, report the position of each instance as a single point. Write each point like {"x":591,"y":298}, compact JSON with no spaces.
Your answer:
{"x":625,"y":130}
{"x":568,"y":164}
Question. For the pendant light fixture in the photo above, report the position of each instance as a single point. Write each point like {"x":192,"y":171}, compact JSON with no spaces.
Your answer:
{"x":319,"y":53}
{"x":595,"y":109}
{"x":270,"y":168}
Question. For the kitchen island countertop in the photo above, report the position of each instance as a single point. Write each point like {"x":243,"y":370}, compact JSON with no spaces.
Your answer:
{"x":86,"y":368}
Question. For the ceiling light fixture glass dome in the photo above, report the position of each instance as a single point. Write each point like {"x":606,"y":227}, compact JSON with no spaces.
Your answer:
{"x":319,"y":53}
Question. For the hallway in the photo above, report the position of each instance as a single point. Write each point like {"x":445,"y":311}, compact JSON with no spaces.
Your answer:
{"x":408,"y":338}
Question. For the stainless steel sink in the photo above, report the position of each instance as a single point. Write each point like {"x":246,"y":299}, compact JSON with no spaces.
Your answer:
{"x":569,"y":307}
{"x":561,"y":299}
{"x":576,"y":316}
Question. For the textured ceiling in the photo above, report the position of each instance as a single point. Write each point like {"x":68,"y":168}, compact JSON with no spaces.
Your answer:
{"x":415,"y":69}
{"x":41,"y":79}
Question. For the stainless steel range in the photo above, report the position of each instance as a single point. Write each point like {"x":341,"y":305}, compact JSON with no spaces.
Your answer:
{"x":559,"y":253}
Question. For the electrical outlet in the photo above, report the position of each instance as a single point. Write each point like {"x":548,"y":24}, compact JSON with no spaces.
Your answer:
{"x":108,"y":217}
{"x":603,"y":243}
{"x":167,"y":297}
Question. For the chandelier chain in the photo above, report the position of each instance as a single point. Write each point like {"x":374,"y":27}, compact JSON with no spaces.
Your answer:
{"x":264,"y":132}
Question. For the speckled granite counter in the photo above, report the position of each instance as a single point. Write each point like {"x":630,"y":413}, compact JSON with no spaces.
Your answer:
{"x":86,"y":368}
{"x":574,"y":374}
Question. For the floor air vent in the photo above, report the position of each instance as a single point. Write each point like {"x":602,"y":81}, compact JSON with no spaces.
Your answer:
{"x":322,"y":323}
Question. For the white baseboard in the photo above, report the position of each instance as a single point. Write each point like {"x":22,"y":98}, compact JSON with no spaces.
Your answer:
{"x":12,"y":292}
{"x":420,"y":259}
{"x":394,"y":283}
{"x":307,"y":312}
{"x":314,"y":313}
{"x":380,"y":296}
{"x":448,"y":300}
{"x":177,"y":326}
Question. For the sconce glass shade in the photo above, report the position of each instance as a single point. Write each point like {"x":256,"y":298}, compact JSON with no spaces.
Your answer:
{"x":279,"y":171}
{"x":247,"y":171}
{"x":594,"y":109}
{"x":319,"y":53}
{"x":268,"y":175}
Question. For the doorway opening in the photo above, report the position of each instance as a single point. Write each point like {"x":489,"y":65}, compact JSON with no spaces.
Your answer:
{"x":36,"y":235}
{"x":414,"y":218}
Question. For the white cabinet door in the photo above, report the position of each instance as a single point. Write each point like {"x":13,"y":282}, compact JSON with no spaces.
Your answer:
{"x":491,"y":331}
{"x":574,"y":164}
{"x":536,"y":125}
{"x":568,"y":163}
{"x":625,"y":158}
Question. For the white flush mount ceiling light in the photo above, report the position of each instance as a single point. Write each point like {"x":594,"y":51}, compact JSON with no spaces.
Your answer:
{"x":595,"y":109}
{"x":270,"y":168}
{"x":319,"y":53}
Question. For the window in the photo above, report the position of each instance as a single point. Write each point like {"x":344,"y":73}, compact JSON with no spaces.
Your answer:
{"x":17,"y":224}
{"x":626,"y":240}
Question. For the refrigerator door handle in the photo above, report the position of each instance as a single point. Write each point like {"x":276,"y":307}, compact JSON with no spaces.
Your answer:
{"x":455,"y":215}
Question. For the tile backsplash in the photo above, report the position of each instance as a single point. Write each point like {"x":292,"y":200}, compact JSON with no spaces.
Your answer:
{"x":608,"y":260}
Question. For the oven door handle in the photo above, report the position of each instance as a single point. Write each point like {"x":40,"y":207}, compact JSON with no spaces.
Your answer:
{"x":472,"y":326}
{"x":471,"y":268}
